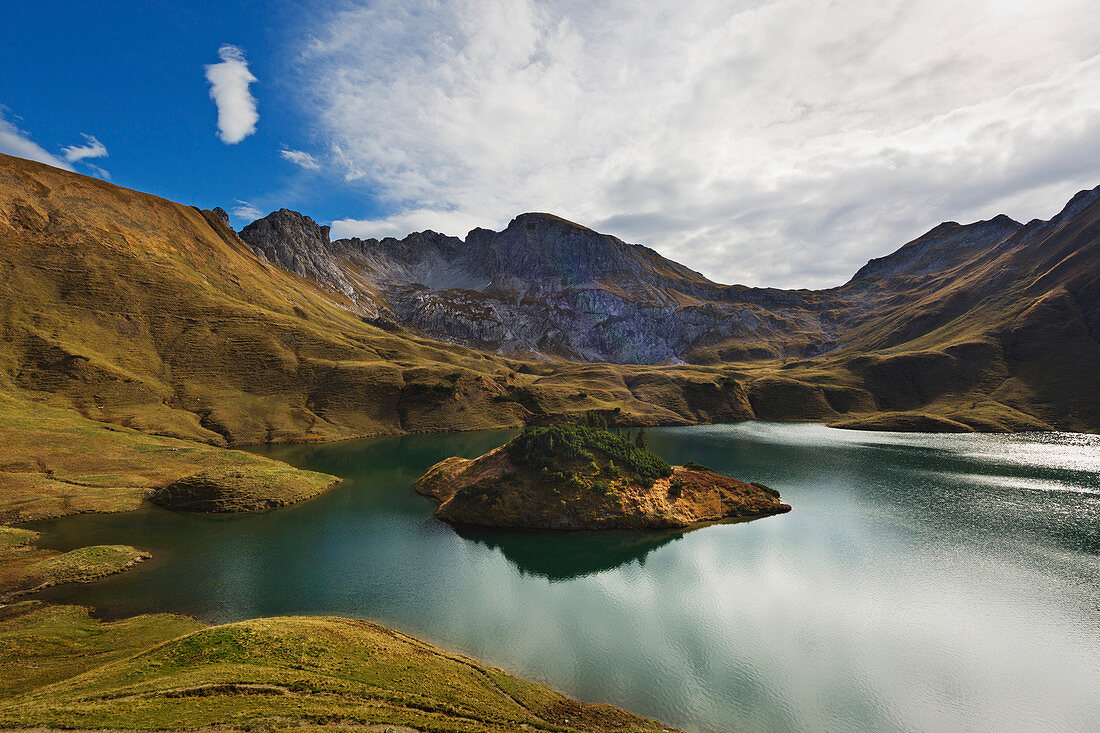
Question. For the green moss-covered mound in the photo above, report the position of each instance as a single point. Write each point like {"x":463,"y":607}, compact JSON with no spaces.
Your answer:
{"x":83,"y":565}
{"x":572,"y":478}
{"x":242,"y":489}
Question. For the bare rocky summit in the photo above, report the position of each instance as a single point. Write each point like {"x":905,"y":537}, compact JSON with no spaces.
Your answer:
{"x":1003,"y":313}
{"x":543,"y":287}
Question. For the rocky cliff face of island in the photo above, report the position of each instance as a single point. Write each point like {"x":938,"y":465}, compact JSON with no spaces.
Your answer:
{"x":576,"y":478}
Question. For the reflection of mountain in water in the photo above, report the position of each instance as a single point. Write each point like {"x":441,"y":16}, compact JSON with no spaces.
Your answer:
{"x":564,"y":556}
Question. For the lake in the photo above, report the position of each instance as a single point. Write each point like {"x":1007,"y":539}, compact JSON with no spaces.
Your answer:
{"x":921,"y":582}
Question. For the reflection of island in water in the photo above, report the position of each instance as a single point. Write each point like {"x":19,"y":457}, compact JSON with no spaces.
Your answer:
{"x":564,"y":556}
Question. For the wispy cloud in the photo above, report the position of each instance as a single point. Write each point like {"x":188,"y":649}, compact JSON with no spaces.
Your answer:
{"x":246,"y":211}
{"x":14,"y":141}
{"x":104,"y":174}
{"x":775,"y":142}
{"x":91,"y":148}
{"x":301,"y":159}
{"x":229,"y":80}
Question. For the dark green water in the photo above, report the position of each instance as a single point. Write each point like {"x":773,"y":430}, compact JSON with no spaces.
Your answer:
{"x":922,"y":582}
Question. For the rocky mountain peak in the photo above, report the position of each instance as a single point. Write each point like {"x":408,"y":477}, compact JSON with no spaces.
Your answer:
{"x":539,"y":246}
{"x":297,"y":243}
{"x":1081,"y":201}
{"x":939,"y":249}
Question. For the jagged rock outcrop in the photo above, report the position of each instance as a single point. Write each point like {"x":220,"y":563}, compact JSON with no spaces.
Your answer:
{"x":957,"y":311}
{"x":298,"y":244}
{"x":543,"y":287}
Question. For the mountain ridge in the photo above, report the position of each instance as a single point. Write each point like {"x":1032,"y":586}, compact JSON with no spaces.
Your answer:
{"x":616,"y":306}
{"x":137,"y":311}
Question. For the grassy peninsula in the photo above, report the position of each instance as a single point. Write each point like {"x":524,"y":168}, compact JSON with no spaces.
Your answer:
{"x":167,"y":672}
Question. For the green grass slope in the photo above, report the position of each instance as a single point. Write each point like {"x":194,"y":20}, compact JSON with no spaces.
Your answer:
{"x":63,"y":669}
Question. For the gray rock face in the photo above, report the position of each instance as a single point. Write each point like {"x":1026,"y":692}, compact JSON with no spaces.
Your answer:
{"x":220,"y":213}
{"x":296,"y":243}
{"x":543,"y":287}
{"x":546,"y":287}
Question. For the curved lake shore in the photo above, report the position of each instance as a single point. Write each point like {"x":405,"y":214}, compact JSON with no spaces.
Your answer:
{"x":940,"y":582}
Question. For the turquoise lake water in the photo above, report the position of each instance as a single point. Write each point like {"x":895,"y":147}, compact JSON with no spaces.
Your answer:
{"x":921,"y":583}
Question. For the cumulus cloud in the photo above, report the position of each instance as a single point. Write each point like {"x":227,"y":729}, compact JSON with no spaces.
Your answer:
{"x":14,"y":141}
{"x":229,"y":82}
{"x":301,"y":159}
{"x":91,"y":148}
{"x":772,"y":142}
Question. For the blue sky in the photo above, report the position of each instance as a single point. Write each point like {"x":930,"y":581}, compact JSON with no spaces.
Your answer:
{"x":131,"y":74}
{"x":764,"y":142}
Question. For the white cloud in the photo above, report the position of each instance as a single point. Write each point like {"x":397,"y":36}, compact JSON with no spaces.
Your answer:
{"x":301,"y":159}
{"x":453,"y":223}
{"x":91,"y":148}
{"x":14,"y":141}
{"x":246,"y":211}
{"x":104,"y":174}
{"x":229,"y":82}
{"x":776,"y":142}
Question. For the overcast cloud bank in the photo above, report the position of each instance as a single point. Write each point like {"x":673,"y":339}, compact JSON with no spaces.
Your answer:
{"x":770,"y":143}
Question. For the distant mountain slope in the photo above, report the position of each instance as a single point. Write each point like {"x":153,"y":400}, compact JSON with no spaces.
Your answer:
{"x":139,"y":311}
{"x":135,"y":310}
{"x":543,"y":287}
{"x":1015,"y":311}
{"x":976,"y":306}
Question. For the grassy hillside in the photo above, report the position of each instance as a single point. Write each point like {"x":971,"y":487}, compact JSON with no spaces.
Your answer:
{"x":63,"y":669}
{"x":154,"y":315}
{"x":127,"y":321}
{"x":54,"y":462}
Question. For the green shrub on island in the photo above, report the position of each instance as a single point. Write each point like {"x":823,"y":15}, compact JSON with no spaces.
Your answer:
{"x":767,"y":489}
{"x":543,"y":447}
{"x":485,"y":491}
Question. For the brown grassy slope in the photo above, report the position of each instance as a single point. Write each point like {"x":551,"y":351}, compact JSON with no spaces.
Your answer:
{"x":54,"y":462}
{"x":63,"y":669}
{"x":1000,"y":334}
{"x":1017,"y":323}
{"x":152,"y":314}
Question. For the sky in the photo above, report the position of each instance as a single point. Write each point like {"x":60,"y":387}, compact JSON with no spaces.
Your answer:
{"x":764,"y":142}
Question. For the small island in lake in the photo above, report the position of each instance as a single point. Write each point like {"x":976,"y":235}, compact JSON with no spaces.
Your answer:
{"x":567,"y":477}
